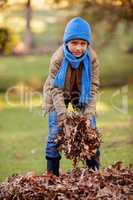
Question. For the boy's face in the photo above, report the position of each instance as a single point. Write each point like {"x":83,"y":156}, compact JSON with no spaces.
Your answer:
{"x":77,"y":47}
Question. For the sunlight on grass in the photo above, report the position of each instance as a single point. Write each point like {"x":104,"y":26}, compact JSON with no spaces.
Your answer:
{"x":16,"y":103}
{"x":2,"y":105}
{"x":21,"y":96}
{"x":30,"y":58}
{"x":119,"y":124}
{"x":102,"y":107}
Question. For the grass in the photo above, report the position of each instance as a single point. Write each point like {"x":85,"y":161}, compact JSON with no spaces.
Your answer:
{"x":29,"y":70}
{"x":116,"y":127}
{"x":24,"y":134}
{"x":22,"y":138}
{"x":33,"y":70}
{"x":116,"y":67}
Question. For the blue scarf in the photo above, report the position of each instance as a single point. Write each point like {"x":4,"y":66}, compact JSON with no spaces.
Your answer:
{"x":59,"y":81}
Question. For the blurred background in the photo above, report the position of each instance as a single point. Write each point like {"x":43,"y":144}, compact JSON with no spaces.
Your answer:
{"x":30,"y":31}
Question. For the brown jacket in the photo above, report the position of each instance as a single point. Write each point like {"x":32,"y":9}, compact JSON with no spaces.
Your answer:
{"x":53,"y":98}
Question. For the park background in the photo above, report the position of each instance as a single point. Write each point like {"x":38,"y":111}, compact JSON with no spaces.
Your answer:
{"x":30,"y":31}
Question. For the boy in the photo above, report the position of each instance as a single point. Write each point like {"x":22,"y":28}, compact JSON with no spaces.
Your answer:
{"x":73,"y":77}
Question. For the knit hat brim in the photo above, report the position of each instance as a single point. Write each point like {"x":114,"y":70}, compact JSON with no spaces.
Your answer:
{"x":81,"y":36}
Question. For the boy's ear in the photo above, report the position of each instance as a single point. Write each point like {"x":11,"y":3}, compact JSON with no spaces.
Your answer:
{"x":88,"y":45}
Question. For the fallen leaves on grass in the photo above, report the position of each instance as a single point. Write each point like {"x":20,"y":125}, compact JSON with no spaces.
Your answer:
{"x":112,"y":183}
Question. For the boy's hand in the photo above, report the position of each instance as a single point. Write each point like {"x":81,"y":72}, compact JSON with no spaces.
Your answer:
{"x":61,"y":119}
{"x":62,"y":123}
{"x":88,"y":122}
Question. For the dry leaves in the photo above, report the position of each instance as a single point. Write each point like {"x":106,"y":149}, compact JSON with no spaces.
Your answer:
{"x":112,"y":183}
{"x":78,"y":141}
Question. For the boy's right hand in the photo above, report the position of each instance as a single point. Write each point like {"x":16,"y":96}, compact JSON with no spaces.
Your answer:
{"x":62,"y":120}
{"x":62,"y":123}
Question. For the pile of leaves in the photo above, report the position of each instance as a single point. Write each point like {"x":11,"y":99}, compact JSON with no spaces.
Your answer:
{"x":79,"y":140}
{"x":112,"y":183}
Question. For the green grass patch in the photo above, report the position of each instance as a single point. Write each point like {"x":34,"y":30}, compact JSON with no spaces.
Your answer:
{"x":29,"y":70}
{"x":116,"y":68}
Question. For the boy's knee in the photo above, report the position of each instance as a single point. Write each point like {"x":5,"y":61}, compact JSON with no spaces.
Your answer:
{"x":52,"y":151}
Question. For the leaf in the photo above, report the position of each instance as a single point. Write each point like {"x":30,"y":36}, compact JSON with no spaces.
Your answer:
{"x":79,"y":141}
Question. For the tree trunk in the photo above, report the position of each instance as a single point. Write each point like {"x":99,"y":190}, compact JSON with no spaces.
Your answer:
{"x":28,"y":32}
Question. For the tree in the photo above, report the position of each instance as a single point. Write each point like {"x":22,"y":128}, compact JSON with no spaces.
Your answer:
{"x":28,"y":35}
{"x":2,"y":3}
{"x":28,"y":40}
{"x":107,"y":12}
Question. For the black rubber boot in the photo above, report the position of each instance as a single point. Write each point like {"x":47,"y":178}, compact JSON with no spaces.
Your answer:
{"x":53,"y":165}
{"x":94,"y":162}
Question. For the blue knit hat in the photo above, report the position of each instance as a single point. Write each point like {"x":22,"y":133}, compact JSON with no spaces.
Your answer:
{"x":77,"y":28}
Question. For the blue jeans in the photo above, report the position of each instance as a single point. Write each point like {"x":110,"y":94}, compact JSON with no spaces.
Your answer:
{"x":53,"y":131}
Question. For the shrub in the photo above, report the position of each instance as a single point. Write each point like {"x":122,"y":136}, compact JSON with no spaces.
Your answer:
{"x":8,"y":40}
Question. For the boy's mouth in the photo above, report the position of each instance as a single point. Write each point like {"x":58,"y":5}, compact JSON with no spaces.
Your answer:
{"x":77,"y":53}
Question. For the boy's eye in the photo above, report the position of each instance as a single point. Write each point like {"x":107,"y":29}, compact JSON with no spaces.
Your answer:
{"x":74,"y":43}
{"x":83,"y":43}
{"x":78,"y":43}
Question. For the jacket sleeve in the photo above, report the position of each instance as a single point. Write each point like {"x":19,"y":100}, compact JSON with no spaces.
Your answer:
{"x":90,"y":109}
{"x":57,"y":93}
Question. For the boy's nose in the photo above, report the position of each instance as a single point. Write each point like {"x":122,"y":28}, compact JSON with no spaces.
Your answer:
{"x":78,"y":47}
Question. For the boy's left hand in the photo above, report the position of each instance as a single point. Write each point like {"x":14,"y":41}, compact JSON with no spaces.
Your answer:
{"x":88,"y":122}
